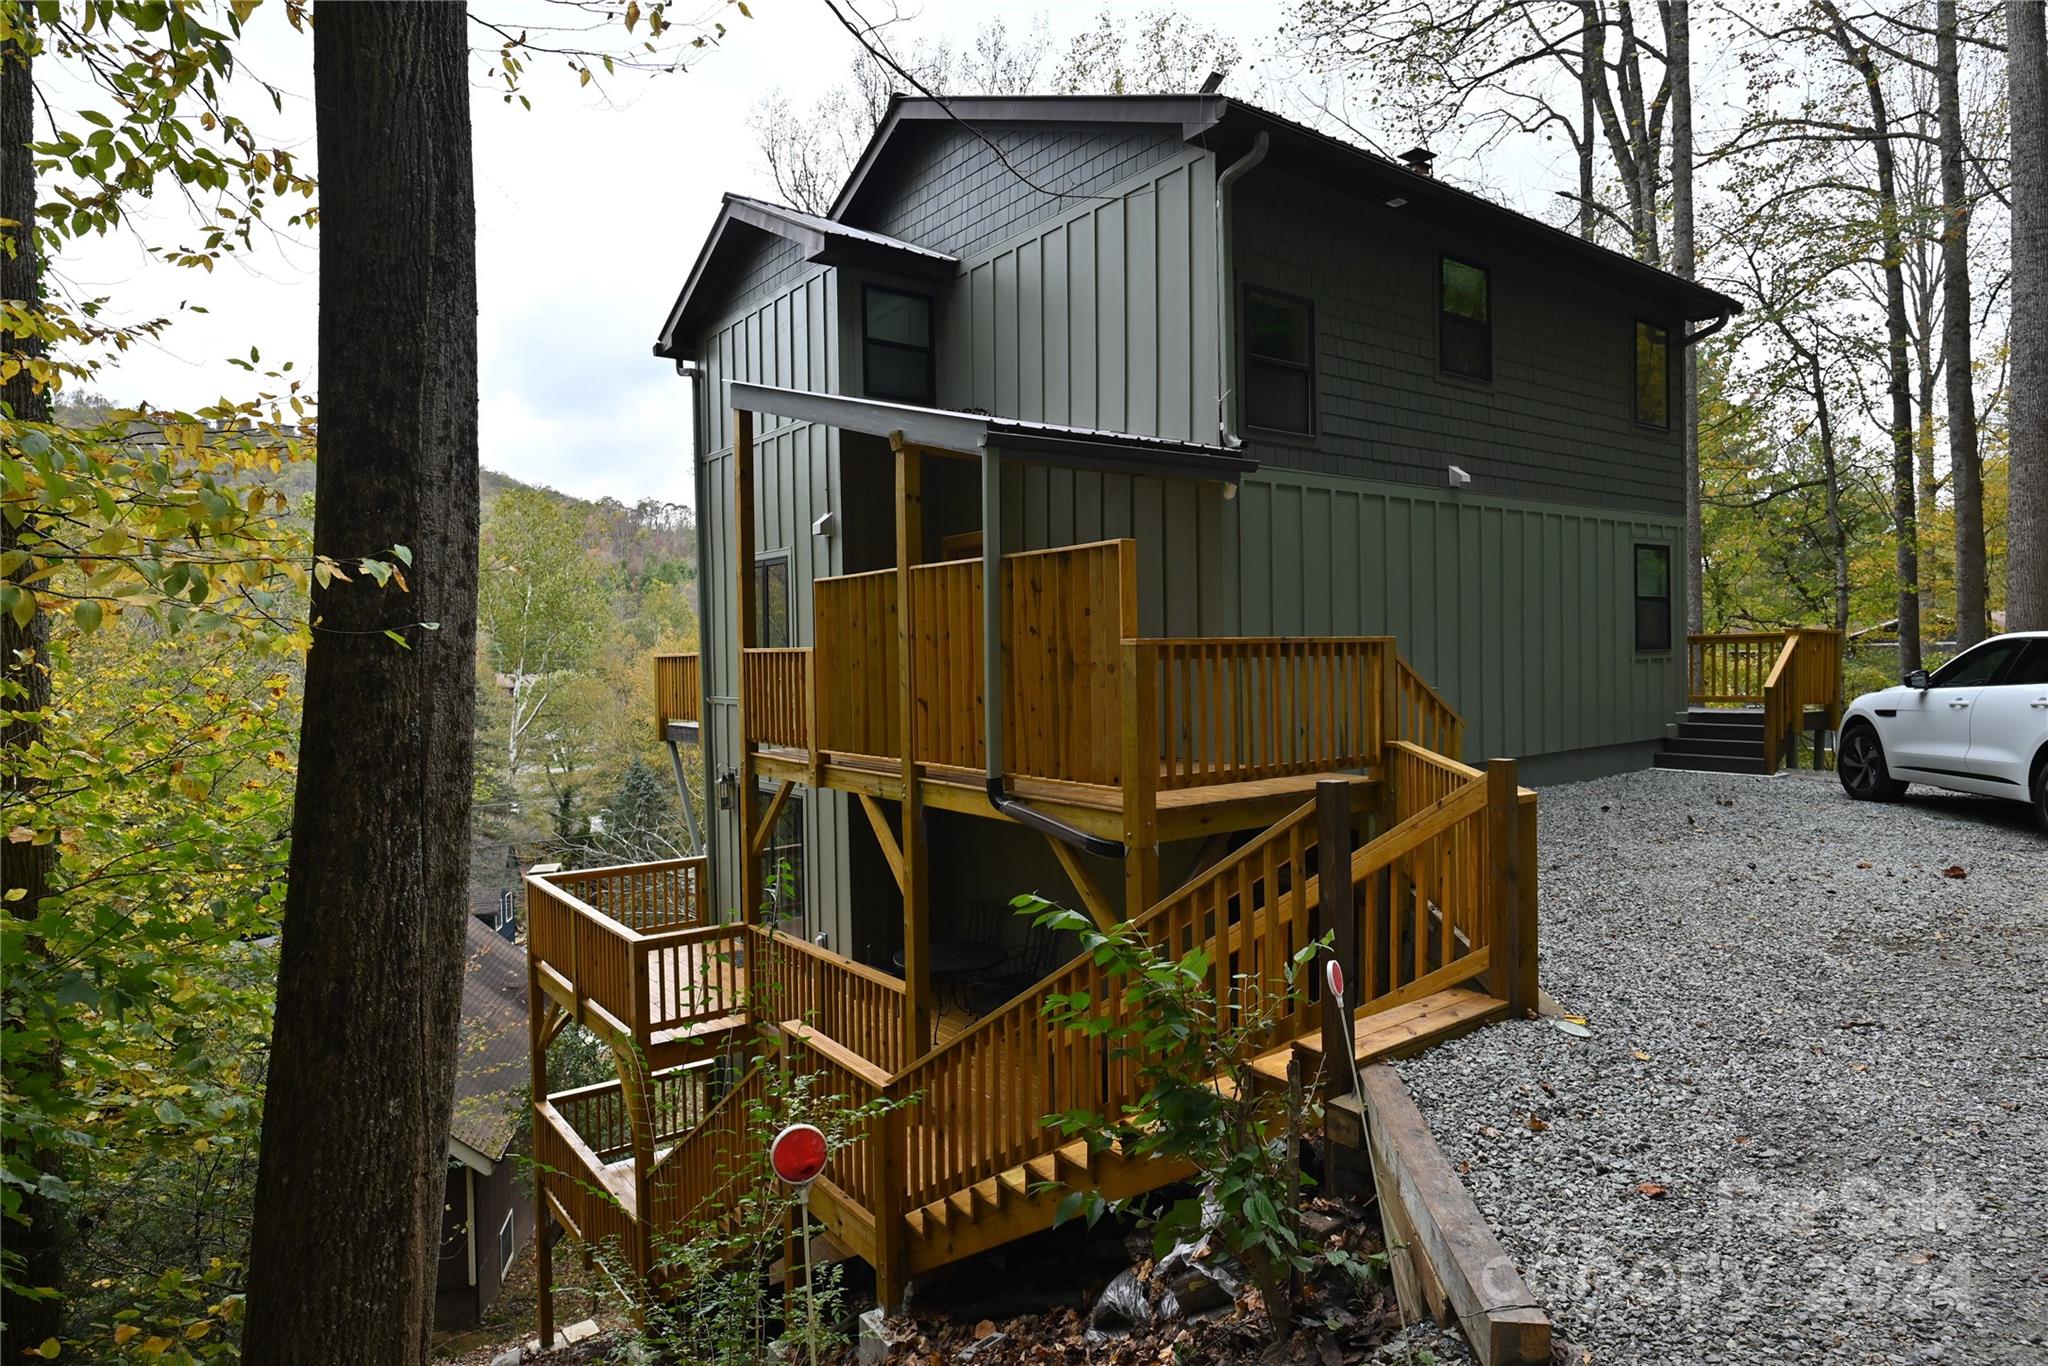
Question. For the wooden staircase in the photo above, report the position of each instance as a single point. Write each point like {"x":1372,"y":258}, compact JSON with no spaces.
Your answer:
{"x":1716,"y":740}
{"x":962,"y":1163}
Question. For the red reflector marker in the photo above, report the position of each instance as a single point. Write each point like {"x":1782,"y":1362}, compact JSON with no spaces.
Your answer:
{"x":798,"y":1154}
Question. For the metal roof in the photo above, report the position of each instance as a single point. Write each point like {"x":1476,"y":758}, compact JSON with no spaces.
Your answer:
{"x":820,"y":239}
{"x":971,"y":433}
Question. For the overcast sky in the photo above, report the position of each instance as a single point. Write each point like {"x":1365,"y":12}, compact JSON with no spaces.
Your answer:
{"x":590,"y":209}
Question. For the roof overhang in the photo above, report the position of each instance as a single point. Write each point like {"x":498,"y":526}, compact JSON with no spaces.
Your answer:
{"x":471,"y":1158}
{"x":819,"y":240}
{"x":945,"y":429}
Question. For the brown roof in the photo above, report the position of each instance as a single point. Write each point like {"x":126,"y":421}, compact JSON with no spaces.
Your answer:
{"x":491,"y":1059}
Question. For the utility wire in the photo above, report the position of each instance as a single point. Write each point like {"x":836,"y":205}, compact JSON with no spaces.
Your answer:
{"x":879,"y":50}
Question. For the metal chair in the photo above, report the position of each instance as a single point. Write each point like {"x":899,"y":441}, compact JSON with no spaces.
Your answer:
{"x":1025,"y":967}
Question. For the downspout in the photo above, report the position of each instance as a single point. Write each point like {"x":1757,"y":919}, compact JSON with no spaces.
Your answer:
{"x":1226,"y":305}
{"x":700,"y":425}
{"x":992,"y":673}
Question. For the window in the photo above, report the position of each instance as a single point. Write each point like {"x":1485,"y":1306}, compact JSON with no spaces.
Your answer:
{"x":1977,"y":667}
{"x":896,"y":345}
{"x":507,"y":1246}
{"x":782,"y":864}
{"x":2032,"y":668}
{"x":1465,"y":320}
{"x":1653,"y":599}
{"x":771,"y":600}
{"x":1279,"y":363}
{"x":1653,"y":375}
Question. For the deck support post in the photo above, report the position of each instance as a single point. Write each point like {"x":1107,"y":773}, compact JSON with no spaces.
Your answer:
{"x":1338,"y":917}
{"x":1140,"y":764}
{"x":537,"y":1071}
{"x":746,"y":800}
{"x":1510,"y":876}
{"x":891,"y":1171}
{"x":917,"y":919}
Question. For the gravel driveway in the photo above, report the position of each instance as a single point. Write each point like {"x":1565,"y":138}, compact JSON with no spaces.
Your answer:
{"x":1809,"y":1124}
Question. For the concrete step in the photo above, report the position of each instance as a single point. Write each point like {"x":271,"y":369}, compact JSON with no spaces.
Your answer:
{"x":1710,"y":763}
{"x":1723,"y":720}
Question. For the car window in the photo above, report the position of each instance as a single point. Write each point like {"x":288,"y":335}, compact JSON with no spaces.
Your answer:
{"x":1976,"y":668}
{"x":2032,"y":668}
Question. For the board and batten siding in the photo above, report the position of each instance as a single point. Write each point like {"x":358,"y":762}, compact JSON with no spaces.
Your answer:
{"x":1101,"y":317}
{"x":1522,"y":614}
{"x":782,"y":336}
{"x":1556,"y":422}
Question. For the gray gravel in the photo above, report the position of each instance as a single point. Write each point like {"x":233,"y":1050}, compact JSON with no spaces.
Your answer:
{"x":1809,"y":1123}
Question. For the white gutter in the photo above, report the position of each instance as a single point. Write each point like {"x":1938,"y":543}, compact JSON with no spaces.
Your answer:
{"x":1226,"y":302}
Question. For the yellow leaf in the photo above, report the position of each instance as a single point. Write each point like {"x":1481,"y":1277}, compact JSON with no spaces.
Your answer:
{"x":155,"y":1347}
{"x":123,"y":1333}
{"x":49,"y":1349}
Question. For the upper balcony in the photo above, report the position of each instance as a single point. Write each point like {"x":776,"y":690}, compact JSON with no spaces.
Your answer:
{"x":1107,"y":729}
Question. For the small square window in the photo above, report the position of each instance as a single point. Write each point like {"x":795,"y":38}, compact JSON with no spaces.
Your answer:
{"x":896,"y":345}
{"x":1653,"y":599}
{"x":1465,"y":320}
{"x":1279,"y":365}
{"x":1653,"y":375}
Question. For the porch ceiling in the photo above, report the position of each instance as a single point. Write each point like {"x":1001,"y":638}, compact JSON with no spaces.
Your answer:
{"x":970,"y":434}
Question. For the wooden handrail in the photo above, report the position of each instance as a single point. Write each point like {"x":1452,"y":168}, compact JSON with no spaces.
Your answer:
{"x":777,"y":684}
{"x":1785,"y":672}
{"x":1423,"y":716}
{"x":1238,"y":708}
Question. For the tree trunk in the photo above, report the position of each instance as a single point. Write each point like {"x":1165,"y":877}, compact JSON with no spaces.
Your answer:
{"x":1678,"y":66}
{"x":1925,"y":289}
{"x":35,"y":1240}
{"x":1589,"y":133}
{"x":2026,"y":559}
{"x":1905,"y":517}
{"x":1838,"y":534}
{"x":362,"y":1062}
{"x":1966,"y":466}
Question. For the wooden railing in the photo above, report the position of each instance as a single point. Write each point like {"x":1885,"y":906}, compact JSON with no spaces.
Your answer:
{"x":776,"y":693}
{"x":1428,"y":908}
{"x":1232,"y":709}
{"x":714,"y":1159}
{"x":638,"y":984}
{"x":678,"y":691}
{"x":677,"y":1099}
{"x":573,"y":1174}
{"x":1785,"y":672}
{"x":1422,"y":717}
{"x":672,"y":894}
{"x":856,"y":1005}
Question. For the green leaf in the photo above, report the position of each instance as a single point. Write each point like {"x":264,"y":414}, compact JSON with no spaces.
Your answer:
{"x":1069,"y":1206}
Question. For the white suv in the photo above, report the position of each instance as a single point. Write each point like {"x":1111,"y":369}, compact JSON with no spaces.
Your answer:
{"x":1979,"y":723}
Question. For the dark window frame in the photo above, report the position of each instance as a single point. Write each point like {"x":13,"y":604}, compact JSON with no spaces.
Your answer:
{"x":1445,"y":316}
{"x":1637,"y":597}
{"x":1247,"y":359}
{"x":930,"y":397}
{"x":793,"y":902}
{"x":1635,"y":389}
{"x":763,"y":562}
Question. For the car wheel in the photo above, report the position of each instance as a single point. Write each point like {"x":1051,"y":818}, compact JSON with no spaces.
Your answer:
{"x":2041,"y":792}
{"x":1861,"y":768}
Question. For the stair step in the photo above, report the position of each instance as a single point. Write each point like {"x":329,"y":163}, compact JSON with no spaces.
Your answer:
{"x":1403,"y":1029}
{"x":1748,"y":747}
{"x":1723,"y":720}
{"x":1710,"y":763}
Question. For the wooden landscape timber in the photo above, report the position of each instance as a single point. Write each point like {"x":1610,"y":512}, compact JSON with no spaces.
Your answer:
{"x":1440,"y":1249}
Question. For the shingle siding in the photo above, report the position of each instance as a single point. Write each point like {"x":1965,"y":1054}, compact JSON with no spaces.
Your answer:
{"x":946,"y":190}
{"x":1556,"y":421}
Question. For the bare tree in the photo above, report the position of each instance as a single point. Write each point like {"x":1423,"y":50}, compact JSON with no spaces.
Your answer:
{"x":2026,"y":564}
{"x":362,"y":1061}
{"x":1966,"y":469}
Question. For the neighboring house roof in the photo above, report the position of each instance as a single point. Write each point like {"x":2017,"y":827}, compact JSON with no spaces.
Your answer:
{"x":1228,"y":126}
{"x":491,"y":1059}
{"x":1041,"y":442}
{"x":819,"y":239}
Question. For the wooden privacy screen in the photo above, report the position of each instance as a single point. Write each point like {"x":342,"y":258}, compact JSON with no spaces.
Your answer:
{"x":777,"y":685}
{"x":854,"y":662}
{"x":1066,"y":613}
{"x":678,"y":692}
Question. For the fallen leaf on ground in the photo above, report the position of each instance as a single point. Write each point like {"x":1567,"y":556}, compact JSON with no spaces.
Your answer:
{"x":983,"y":1329}
{"x":1537,"y":1124}
{"x":1641,"y":1056}
{"x":1652,"y":1190}
{"x":1864,"y":863}
{"x":1955,"y":870}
